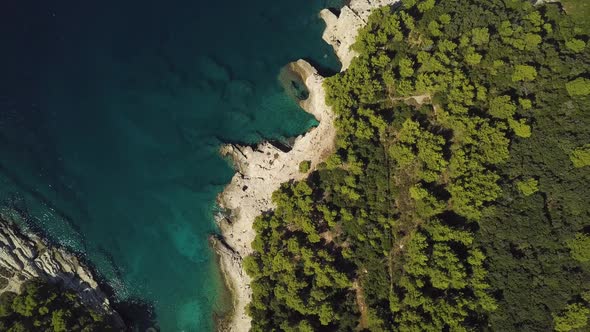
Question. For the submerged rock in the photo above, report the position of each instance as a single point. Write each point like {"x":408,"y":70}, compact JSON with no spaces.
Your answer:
{"x":212,"y":70}
{"x":292,"y":84}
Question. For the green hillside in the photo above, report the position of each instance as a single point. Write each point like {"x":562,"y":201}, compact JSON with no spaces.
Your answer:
{"x":458,"y":196}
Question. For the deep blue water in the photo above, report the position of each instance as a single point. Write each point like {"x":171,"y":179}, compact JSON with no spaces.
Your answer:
{"x":111,"y":116}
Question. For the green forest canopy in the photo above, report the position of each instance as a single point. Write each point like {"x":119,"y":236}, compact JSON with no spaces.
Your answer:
{"x":458,"y":196}
{"x":41,"y":306}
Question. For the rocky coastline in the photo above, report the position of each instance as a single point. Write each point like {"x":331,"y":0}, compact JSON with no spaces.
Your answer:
{"x":342,"y":28}
{"x":260,"y":170}
{"x":27,"y":256}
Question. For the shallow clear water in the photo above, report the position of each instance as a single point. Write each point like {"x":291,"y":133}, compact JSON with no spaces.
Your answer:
{"x":111,"y":115}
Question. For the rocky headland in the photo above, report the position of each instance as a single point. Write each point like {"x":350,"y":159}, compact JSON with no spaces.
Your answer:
{"x":260,"y":170}
{"x":342,"y":28}
{"x":27,"y":256}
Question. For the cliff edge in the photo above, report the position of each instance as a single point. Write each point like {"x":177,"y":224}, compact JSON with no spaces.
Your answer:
{"x":342,"y":29}
{"x":27,"y":256}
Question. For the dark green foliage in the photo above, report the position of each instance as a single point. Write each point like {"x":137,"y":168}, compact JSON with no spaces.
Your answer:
{"x":44,"y":307}
{"x":304,"y":166}
{"x":298,"y":284}
{"x":528,"y":187}
{"x":573,"y":317}
{"x":579,"y":11}
{"x":457,"y":198}
{"x":580,"y":156}
{"x":578,"y":87}
{"x":580,"y":247}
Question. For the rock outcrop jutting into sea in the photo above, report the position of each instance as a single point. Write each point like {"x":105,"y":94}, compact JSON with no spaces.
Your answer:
{"x":27,"y":256}
{"x":342,"y":29}
{"x":261,"y":170}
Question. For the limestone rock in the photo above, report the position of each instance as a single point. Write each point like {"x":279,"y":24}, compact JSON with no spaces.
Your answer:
{"x":27,"y":256}
{"x":342,"y":30}
{"x":260,"y":170}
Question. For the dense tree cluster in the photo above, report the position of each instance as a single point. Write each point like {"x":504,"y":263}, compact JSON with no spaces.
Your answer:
{"x":45,"y":307}
{"x":457,"y":198}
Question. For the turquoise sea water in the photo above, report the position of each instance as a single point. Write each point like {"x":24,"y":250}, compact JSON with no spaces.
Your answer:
{"x":111,"y":115}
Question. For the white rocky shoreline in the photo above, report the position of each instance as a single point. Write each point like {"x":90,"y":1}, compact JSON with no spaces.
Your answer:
{"x":261,"y":170}
{"x":27,"y":256}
